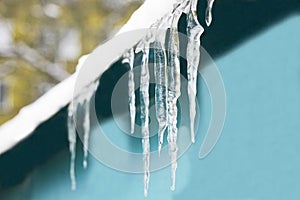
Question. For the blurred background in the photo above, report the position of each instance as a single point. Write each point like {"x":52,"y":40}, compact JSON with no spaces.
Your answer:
{"x":41,"y":41}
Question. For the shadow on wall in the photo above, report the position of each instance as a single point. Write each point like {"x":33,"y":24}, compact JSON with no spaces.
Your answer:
{"x":234,"y":21}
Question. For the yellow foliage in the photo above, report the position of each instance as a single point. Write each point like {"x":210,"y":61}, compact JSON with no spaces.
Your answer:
{"x":42,"y":31}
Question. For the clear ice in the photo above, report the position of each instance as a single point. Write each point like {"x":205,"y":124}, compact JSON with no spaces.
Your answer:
{"x":160,"y":74}
{"x":87,"y":95}
{"x":84,"y":100}
{"x":173,"y":64}
{"x":208,"y":12}
{"x":194,"y":31}
{"x":72,"y":144}
{"x":129,"y":58}
{"x":167,"y":87}
{"x":144,"y":96}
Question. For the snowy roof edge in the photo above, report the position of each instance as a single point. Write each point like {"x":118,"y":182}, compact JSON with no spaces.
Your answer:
{"x":31,"y":116}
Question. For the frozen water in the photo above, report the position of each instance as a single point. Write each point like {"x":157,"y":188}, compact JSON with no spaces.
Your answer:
{"x":86,"y":97}
{"x":72,"y":144}
{"x":84,"y":100}
{"x":167,"y":88}
{"x":208,"y":13}
{"x":160,"y":74}
{"x":129,"y":58}
{"x":173,"y":92}
{"x":194,"y":31}
{"x":144,"y":96}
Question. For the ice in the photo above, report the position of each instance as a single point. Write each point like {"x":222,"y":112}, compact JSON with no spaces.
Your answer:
{"x":72,"y":144}
{"x":84,"y":100}
{"x":129,"y":58}
{"x":86,"y":97}
{"x":160,"y":90}
{"x":194,"y":31}
{"x":208,"y":12}
{"x":173,"y":91}
{"x":141,"y":19}
{"x":144,"y":96}
{"x":86,"y":125}
{"x":167,"y":87}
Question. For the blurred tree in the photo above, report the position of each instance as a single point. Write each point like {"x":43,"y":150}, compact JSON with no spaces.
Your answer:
{"x":41,"y":41}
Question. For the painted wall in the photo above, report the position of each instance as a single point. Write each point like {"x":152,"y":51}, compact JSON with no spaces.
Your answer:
{"x":255,"y":158}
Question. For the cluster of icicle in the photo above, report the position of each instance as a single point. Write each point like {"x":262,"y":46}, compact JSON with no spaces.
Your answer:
{"x":167,"y":79}
{"x":167,"y":86}
{"x":84,"y":101}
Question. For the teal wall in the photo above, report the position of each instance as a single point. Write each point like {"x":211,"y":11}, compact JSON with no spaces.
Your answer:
{"x":257,"y":156}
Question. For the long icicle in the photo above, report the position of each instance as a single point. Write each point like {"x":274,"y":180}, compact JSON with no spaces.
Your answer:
{"x":86,"y":125}
{"x":72,"y":142}
{"x":194,"y":32}
{"x":160,"y":74}
{"x":144,"y":94}
{"x":173,"y":90}
{"x":129,"y":58}
{"x":160,"y":89}
{"x":90,"y":90}
{"x":208,"y":12}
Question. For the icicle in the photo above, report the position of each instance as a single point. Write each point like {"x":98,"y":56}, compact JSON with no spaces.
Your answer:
{"x":160,"y":90}
{"x":86,"y":125}
{"x":194,"y":31}
{"x":167,"y":89}
{"x":173,"y":91}
{"x":83,"y":99}
{"x":72,"y":142}
{"x":160,"y":74}
{"x":87,"y":95}
{"x":144,"y":94}
{"x":208,"y":12}
{"x":129,"y":58}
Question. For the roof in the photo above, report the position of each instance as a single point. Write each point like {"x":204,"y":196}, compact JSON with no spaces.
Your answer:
{"x":31,"y":116}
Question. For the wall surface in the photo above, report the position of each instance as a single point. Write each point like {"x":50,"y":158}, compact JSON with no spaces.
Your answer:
{"x":255,"y":158}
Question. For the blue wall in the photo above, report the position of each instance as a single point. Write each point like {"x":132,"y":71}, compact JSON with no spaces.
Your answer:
{"x":255,"y":158}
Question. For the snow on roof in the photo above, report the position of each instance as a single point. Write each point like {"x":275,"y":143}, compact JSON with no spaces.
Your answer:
{"x":29,"y":117}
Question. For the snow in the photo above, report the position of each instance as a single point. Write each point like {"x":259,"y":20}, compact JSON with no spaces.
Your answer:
{"x":29,"y":117}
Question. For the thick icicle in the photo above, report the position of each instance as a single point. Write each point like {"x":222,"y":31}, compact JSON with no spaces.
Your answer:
{"x":194,"y":31}
{"x":208,"y":12}
{"x":129,"y":58}
{"x":160,"y":90}
{"x":160,"y":74}
{"x":72,"y":142}
{"x":144,"y":94}
{"x":173,"y":90}
{"x":87,"y":95}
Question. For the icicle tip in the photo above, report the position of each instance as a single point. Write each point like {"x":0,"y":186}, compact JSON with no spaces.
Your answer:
{"x":84,"y":164}
{"x":73,"y":186}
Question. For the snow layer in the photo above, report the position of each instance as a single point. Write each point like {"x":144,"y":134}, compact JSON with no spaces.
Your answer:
{"x":46,"y":106}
